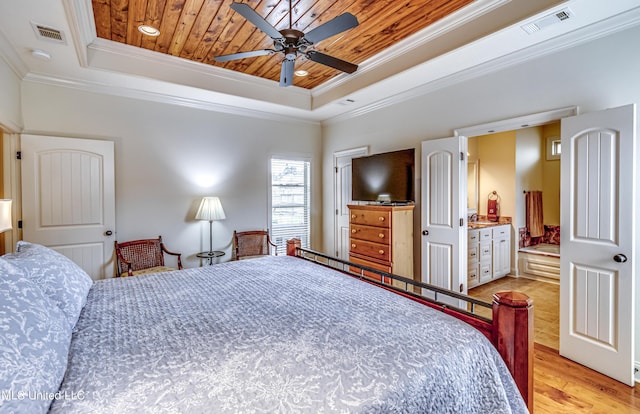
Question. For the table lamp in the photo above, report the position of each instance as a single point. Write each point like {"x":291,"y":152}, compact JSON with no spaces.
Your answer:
{"x":5,"y":215}
{"x":210,"y":209}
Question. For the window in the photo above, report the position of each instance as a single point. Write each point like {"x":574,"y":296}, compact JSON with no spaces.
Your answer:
{"x":290,"y":202}
{"x":553,"y":148}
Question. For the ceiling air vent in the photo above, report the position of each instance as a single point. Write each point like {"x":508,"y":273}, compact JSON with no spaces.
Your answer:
{"x":48,"y":33}
{"x":548,"y":20}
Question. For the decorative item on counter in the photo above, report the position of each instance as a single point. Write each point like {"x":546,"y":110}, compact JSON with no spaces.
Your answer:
{"x":493,"y":206}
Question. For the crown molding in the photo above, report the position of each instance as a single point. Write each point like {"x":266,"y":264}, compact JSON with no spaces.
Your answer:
{"x":79,"y":14}
{"x":161,"y":97}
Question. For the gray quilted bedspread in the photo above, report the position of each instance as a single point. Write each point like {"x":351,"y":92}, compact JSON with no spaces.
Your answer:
{"x":274,"y":335}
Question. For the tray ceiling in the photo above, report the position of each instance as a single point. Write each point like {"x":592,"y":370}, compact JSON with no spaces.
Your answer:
{"x":199,"y":30}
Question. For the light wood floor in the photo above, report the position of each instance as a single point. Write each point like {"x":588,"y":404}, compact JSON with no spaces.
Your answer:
{"x":561,"y":385}
{"x":546,"y":305}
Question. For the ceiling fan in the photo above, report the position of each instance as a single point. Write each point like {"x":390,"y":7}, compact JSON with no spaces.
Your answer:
{"x":291,"y":42}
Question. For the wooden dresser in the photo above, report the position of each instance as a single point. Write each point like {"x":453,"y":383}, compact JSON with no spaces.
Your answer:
{"x":382,"y":238}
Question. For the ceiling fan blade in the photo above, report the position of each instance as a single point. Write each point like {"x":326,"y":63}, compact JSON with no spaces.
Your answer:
{"x":335,"y":63}
{"x":242,"y":55}
{"x":337,"y":25}
{"x":286,"y":73}
{"x":258,"y":21}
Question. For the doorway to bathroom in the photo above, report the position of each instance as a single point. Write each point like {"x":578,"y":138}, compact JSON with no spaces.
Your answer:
{"x":512,"y":167}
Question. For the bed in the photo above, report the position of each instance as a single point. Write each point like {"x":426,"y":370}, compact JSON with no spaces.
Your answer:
{"x":272,"y":334}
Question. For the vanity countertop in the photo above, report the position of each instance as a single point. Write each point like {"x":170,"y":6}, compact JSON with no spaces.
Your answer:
{"x":483,"y":223}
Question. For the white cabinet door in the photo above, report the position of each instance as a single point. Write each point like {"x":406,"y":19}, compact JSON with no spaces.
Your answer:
{"x":501,"y":257}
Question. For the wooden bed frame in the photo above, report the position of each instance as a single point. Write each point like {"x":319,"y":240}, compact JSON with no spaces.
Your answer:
{"x":510,"y":329}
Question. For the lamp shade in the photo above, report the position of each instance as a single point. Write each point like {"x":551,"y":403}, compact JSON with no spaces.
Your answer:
{"x":5,"y":215}
{"x":210,"y":209}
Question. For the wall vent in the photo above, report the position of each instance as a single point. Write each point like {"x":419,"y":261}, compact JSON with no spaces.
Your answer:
{"x":548,"y":20}
{"x":48,"y":33}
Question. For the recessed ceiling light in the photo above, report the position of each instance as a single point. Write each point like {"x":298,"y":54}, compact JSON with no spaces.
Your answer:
{"x":148,"y":30}
{"x":301,"y":72}
{"x":41,"y":54}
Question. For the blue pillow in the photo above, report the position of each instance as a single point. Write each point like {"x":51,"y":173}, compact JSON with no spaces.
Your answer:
{"x":34,"y":344}
{"x":61,"y":280}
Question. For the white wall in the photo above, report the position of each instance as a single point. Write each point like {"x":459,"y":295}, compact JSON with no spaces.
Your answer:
{"x":10,"y":118}
{"x":167,"y":157}
{"x":528,"y":170}
{"x":598,"y":75}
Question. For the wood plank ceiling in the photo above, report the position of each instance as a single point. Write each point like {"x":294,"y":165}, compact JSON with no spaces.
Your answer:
{"x":199,"y":30}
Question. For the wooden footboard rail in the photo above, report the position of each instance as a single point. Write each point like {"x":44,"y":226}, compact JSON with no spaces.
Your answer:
{"x":510,"y":329}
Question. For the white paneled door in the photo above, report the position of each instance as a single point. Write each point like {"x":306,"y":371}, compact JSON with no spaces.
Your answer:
{"x":597,"y":253}
{"x":443,"y":238}
{"x":68,"y":199}
{"x":342,"y":196}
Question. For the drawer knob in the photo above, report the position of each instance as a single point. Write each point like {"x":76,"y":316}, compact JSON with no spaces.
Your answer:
{"x":353,"y":216}
{"x":353,"y":230}
{"x":381,"y":251}
{"x":353,"y":245}
{"x":380,"y":218}
{"x":381,"y":235}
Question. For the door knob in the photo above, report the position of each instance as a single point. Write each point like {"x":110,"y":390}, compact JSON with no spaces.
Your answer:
{"x":620,"y":258}
{"x":108,"y":233}
{"x":425,"y":232}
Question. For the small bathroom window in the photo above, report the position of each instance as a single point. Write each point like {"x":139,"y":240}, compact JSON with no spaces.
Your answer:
{"x":553,"y":148}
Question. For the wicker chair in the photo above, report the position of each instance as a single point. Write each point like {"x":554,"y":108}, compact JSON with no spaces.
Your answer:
{"x":142,"y":256}
{"x":247,"y":244}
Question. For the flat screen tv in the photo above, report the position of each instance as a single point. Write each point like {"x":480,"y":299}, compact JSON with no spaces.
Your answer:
{"x":386,"y":178}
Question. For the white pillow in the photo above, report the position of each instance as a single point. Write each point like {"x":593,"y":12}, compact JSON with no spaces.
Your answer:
{"x":61,"y":280}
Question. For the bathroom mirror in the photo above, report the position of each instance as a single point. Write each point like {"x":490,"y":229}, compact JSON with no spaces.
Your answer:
{"x":472,"y":187}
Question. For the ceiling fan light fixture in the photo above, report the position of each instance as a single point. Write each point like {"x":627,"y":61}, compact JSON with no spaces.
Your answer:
{"x":291,"y":41}
{"x":148,"y":30}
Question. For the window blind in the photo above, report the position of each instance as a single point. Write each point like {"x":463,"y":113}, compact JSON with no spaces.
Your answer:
{"x":290,"y":202}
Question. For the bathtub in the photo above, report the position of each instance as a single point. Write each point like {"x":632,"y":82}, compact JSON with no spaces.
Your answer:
{"x":540,"y":262}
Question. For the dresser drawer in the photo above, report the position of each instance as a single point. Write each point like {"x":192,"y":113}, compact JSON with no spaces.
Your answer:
{"x":371,"y":217}
{"x":374,"y":250}
{"x":485,"y":272}
{"x":500,"y":232}
{"x":472,"y":276}
{"x":473,"y":252}
{"x":370,"y":233}
{"x":485,"y":234}
{"x":485,"y":253}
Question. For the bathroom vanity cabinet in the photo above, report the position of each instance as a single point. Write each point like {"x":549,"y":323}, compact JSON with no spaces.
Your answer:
{"x":489,"y":255}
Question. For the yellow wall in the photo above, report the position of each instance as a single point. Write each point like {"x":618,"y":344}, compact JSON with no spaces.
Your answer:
{"x":550,"y":178}
{"x":515,"y":161}
{"x":496,"y":171}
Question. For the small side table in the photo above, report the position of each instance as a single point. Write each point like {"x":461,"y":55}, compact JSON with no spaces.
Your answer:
{"x":210,"y":255}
